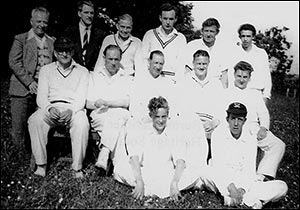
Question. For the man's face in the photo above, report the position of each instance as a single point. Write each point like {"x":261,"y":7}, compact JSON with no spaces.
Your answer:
{"x":39,"y":23}
{"x":209,"y":33}
{"x":64,"y":57}
{"x":200,"y":66}
{"x":156,"y":65}
{"x":236,"y":124}
{"x":241,"y":78}
{"x":159,"y":119}
{"x":124,"y":27}
{"x":112,"y":61}
{"x":246,"y":37}
{"x":168,"y":19}
{"x":86,"y":15}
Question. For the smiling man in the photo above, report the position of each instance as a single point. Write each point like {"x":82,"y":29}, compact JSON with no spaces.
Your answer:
{"x":246,"y":50}
{"x":61,"y":95}
{"x":124,"y":39}
{"x":29,"y":52}
{"x":216,"y":49}
{"x":108,"y":100}
{"x":156,"y":164}
{"x":202,"y":92}
{"x":155,"y":83}
{"x":258,"y":120}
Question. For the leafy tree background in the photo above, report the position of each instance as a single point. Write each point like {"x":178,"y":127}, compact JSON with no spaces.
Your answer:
{"x":276,"y":45}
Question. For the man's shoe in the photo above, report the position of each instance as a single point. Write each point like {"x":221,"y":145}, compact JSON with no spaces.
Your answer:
{"x":102,"y":160}
{"x":40,"y":171}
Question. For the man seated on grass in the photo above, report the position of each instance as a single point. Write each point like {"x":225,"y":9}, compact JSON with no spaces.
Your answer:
{"x":271,"y":147}
{"x":62,"y":89}
{"x":234,"y":164}
{"x":156,"y":164}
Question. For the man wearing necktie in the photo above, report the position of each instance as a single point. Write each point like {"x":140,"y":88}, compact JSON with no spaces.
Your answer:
{"x":86,"y":37}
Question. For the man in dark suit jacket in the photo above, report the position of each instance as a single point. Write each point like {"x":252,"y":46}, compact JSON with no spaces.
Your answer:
{"x":86,"y":37}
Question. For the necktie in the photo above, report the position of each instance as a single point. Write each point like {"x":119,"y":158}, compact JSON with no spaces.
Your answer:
{"x":85,"y":43}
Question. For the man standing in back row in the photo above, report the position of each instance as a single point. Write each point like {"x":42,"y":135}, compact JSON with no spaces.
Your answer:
{"x":30,"y":51}
{"x":86,"y":37}
{"x":127,"y":43}
{"x":168,"y":40}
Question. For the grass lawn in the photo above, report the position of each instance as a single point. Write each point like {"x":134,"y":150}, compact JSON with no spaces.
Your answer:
{"x":21,"y":189}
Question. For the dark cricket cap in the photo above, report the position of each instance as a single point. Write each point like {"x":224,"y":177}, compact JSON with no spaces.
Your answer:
{"x":238,"y":109}
{"x":63,"y":44}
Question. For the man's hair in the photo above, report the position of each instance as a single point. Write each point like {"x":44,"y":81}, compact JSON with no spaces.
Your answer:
{"x":247,"y":27}
{"x":125,"y":17}
{"x":39,"y":9}
{"x":211,"y":22}
{"x":168,"y":7}
{"x":244,"y":66}
{"x":112,"y":47}
{"x":198,"y":53}
{"x":84,"y":2}
{"x":156,"y":52}
{"x":157,"y":103}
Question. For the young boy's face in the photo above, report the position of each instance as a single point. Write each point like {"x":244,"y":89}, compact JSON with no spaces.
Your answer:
{"x":159,"y":119}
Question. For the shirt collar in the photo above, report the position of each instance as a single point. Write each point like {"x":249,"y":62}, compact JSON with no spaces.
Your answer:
{"x":130,"y":38}
{"x":105,"y":73}
{"x":196,"y":79}
{"x":71,"y":67}
{"x":83,"y":27}
{"x":162,"y":33}
{"x":31,"y":35}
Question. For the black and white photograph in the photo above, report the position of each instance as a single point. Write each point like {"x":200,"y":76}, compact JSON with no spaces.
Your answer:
{"x":109,"y":104}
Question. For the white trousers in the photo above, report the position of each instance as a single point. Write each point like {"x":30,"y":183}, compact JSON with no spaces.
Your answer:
{"x":157,"y":181}
{"x":110,"y":125}
{"x":273,"y":150}
{"x":39,"y":125}
{"x":265,"y":192}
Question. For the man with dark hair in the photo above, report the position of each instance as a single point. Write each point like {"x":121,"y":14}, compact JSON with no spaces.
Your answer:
{"x":61,"y":96}
{"x":257,"y":57}
{"x":234,"y":163}
{"x":216,"y":49}
{"x":127,"y":43}
{"x":166,"y":39}
{"x":29,"y":52}
{"x":109,"y":106}
{"x":258,"y":121}
{"x":86,"y":37}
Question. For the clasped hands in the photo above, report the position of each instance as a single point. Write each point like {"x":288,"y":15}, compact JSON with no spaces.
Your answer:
{"x":61,"y":118}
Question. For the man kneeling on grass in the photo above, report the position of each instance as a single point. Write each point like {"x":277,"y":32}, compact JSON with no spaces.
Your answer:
{"x":61,"y":95}
{"x":156,"y":164}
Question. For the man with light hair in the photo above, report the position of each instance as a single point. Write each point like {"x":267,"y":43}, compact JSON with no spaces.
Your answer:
{"x":29,"y":52}
{"x":124,"y":39}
